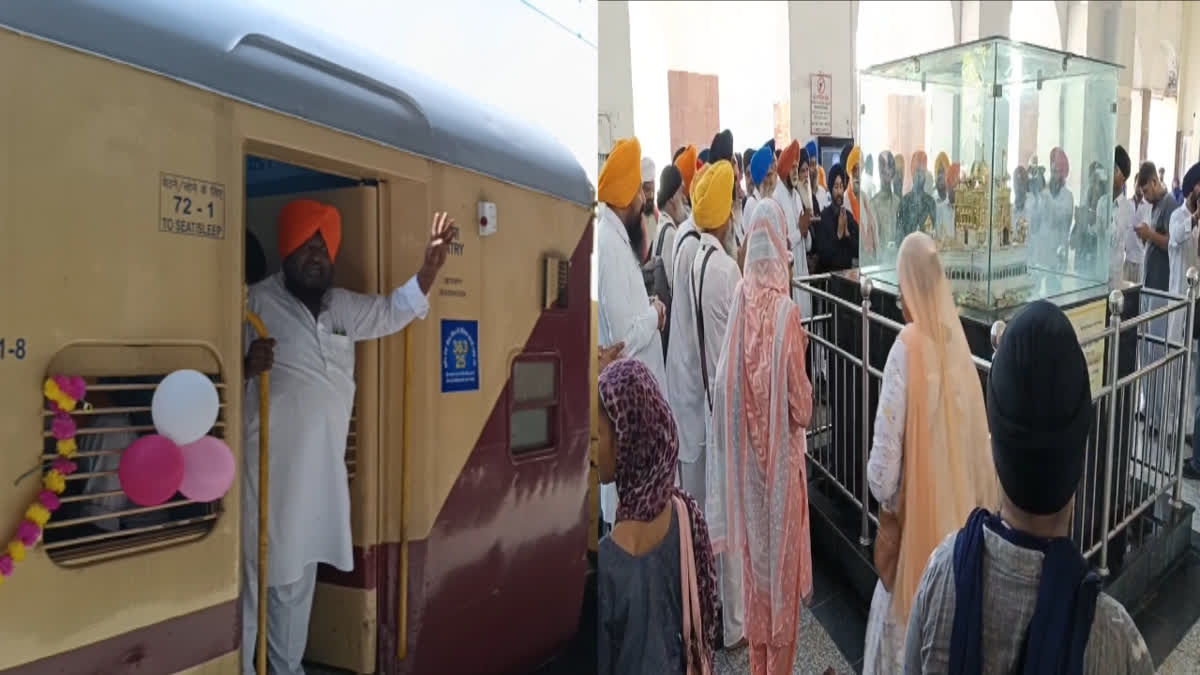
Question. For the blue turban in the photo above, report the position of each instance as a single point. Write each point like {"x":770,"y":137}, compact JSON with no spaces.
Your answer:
{"x":760,"y":164}
{"x":811,"y":148}
{"x":703,"y":157}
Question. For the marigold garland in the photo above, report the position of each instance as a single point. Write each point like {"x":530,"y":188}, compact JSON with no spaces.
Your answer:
{"x":64,"y":394}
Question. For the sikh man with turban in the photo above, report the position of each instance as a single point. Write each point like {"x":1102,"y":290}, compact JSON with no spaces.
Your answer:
{"x":649,"y":212}
{"x":885,"y":205}
{"x":687,"y":161}
{"x":944,"y":220}
{"x":1011,"y":587}
{"x":860,"y":206}
{"x":314,"y":327}
{"x":797,"y":236}
{"x":917,"y":208}
{"x":709,"y":283}
{"x":816,"y":174}
{"x":763,"y":178}
{"x":836,"y":237}
{"x":626,"y":312}
{"x":1058,"y":209}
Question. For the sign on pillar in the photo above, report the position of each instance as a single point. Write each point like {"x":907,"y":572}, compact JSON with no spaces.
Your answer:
{"x":821,"y":104}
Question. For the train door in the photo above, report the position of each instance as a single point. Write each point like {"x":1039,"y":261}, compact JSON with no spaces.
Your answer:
{"x":342,"y":628}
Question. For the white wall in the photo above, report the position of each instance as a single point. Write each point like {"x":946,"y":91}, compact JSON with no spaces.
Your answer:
{"x":615,"y":76}
{"x":823,"y":40}
{"x":504,"y":52}
{"x":743,"y":43}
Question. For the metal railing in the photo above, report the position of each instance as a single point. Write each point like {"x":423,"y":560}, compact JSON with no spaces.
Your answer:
{"x":1135,"y":449}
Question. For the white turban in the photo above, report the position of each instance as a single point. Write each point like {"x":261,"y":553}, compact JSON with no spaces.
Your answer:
{"x":648,"y":174}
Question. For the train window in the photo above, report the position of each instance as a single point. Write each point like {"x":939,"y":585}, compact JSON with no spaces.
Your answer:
{"x":533,"y":424}
{"x":96,"y":520}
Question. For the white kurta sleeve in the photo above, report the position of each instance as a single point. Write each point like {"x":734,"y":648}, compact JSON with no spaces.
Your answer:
{"x":630,"y":317}
{"x":887,"y":449}
{"x":368,"y":317}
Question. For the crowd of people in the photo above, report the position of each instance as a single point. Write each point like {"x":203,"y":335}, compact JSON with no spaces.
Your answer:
{"x":706,"y":400}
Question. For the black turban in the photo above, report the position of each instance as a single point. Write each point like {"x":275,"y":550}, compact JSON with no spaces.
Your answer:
{"x":721,"y":148}
{"x":1190,"y":180}
{"x":834,"y":172}
{"x":703,"y":156}
{"x":771,"y":144}
{"x":1039,"y":406}
{"x":845,"y":156}
{"x":803,"y":157}
{"x":1122,"y":161}
{"x":669,"y":181}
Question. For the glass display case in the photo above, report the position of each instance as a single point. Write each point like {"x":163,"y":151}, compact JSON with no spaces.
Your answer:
{"x":1009,"y":155}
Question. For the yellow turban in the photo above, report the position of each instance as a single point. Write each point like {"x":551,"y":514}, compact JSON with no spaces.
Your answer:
{"x":942,"y":163}
{"x":621,"y":177}
{"x":712,"y":195}
{"x":853,"y":160}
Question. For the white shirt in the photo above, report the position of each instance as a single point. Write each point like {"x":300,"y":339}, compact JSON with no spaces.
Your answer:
{"x":824,"y":199}
{"x":747,"y":214}
{"x":1119,"y":230}
{"x":624,"y":314}
{"x":720,"y":284}
{"x":1058,"y":212}
{"x":887,"y":448}
{"x":312,"y":394}
{"x":944,"y":215}
{"x":1181,"y":254}
{"x":1135,"y":248}
{"x":664,"y":243}
{"x":800,"y":245}
{"x":685,"y":388}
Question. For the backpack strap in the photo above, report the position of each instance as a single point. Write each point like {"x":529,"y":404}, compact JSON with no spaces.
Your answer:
{"x":697,"y":294}
{"x":662,"y":237}
{"x":690,"y":234}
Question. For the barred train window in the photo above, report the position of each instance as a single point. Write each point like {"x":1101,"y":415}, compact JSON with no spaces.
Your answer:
{"x":533,"y":425}
{"x":97,"y":521}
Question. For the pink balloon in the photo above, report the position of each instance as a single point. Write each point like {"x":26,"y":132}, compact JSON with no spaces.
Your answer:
{"x":208,"y":469}
{"x":151,"y":470}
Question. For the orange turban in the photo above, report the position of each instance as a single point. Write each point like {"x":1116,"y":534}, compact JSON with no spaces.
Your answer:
{"x":919,"y":159}
{"x":942,"y":163}
{"x":788,"y":158}
{"x":299,"y":220}
{"x":621,"y":177}
{"x":852,"y":161}
{"x":821,"y":177}
{"x":687,"y":163}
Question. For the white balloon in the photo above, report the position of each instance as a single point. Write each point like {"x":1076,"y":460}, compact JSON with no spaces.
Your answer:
{"x":185,"y":406}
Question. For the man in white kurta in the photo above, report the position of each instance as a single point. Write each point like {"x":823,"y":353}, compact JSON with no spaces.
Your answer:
{"x":310,"y":356}
{"x":626,"y":313}
{"x":713,"y":277}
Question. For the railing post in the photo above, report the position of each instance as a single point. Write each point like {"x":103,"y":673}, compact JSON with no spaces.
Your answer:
{"x":1116,"y":306}
{"x":865,"y":287}
{"x":1192,"y":277}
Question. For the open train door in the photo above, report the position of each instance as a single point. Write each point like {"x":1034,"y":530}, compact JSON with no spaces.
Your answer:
{"x":342,"y":628}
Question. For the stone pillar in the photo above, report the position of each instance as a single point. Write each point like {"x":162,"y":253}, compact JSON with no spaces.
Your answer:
{"x":614,"y":94}
{"x":821,"y":39}
{"x":1111,"y":27}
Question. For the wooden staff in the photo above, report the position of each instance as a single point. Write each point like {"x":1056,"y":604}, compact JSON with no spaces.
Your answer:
{"x":264,"y":468}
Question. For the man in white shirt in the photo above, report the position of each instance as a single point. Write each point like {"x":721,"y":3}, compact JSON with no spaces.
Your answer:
{"x":649,"y":213}
{"x":671,"y":212}
{"x":762,"y":179}
{"x":1120,"y":264}
{"x":1057,"y":209}
{"x":1191,"y":205}
{"x":311,"y":358}
{"x":1135,"y":248}
{"x":798,"y":237}
{"x":714,"y":276}
{"x":626,"y":313}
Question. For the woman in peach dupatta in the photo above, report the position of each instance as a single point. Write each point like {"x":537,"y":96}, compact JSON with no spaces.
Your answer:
{"x":930,"y":460}
{"x":756,"y":482}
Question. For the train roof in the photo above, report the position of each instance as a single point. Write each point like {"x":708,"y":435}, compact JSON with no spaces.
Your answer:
{"x":249,"y":54}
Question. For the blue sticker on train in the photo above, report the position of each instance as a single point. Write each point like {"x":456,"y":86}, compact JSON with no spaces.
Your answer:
{"x":460,"y":356}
